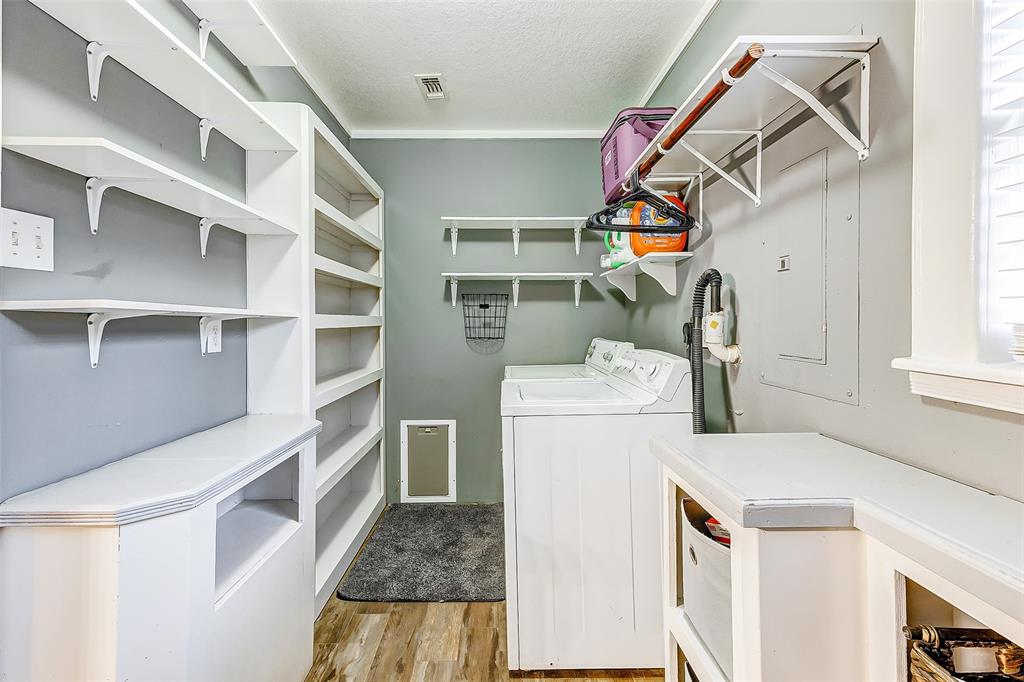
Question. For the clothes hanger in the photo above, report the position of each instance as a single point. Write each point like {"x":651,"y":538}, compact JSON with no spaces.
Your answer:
{"x":603,"y":220}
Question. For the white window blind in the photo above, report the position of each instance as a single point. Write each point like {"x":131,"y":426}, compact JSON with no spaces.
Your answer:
{"x":1001,"y":199}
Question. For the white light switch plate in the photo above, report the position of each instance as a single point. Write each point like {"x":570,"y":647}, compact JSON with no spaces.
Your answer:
{"x":213,"y":337}
{"x":26,"y":241}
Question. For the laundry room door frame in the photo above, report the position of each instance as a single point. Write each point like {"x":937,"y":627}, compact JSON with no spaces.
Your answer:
{"x":404,"y":425}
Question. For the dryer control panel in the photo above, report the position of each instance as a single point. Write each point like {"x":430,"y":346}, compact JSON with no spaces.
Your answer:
{"x":604,"y":354}
{"x":652,"y":370}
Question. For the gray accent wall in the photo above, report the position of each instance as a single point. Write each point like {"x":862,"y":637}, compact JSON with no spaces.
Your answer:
{"x":981,"y":447}
{"x":431,"y":371}
{"x":58,"y":416}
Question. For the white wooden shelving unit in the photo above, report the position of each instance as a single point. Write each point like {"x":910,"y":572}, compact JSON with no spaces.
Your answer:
{"x":123,"y":30}
{"x":107,"y":164}
{"x":243,"y":29}
{"x":515,"y":277}
{"x":659,"y":266}
{"x":513,"y":225}
{"x":341,"y":219}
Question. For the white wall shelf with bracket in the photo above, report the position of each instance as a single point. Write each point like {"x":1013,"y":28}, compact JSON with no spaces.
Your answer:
{"x":243,"y":29}
{"x":102,"y":311}
{"x":797,"y":64}
{"x":515,"y":225}
{"x":330,"y":269}
{"x":123,"y":30}
{"x":107,"y":165}
{"x":516,"y":277}
{"x":659,"y":266}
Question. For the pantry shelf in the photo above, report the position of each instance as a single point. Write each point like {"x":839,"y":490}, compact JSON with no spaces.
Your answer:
{"x":754,"y":99}
{"x":659,"y":266}
{"x":243,"y":29}
{"x":126,"y":32}
{"x":340,"y":273}
{"x":339,"y":385}
{"x":340,"y":226}
{"x":107,"y":165}
{"x":248,"y":534}
{"x":515,"y":277}
{"x":102,"y":311}
{"x":336,"y":457}
{"x":322,"y":321}
{"x":515,"y":225}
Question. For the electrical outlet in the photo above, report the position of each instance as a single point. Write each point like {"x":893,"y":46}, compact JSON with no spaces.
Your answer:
{"x":213,"y":334}
{"x":26,"y":241}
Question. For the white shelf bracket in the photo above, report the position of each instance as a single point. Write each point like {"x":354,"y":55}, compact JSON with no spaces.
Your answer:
{"x":663,"y":273}
{"x":205,"y":126}
{"x":577,"y":236}
{"x":626,"y":283}
{"x":97,"y":53}
{"x":754,"y":197}
{"x":515,"y":239}
{"x":208,"y":27}
{"x":515,"y":292}
{"x":577,"y":286}
{"x":453,"y":285}
{"x":858,"y":144}
{"x":95,"y":324}
{"x":205,"y":224}
{"x":96,"y":187}
{"x":455,"y":239}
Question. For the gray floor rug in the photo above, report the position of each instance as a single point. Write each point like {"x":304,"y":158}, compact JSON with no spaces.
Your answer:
{"x":431,"y":552}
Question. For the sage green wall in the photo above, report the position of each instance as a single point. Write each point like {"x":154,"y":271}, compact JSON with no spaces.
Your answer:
{"x":431,"y":372}
{"x":984,"y":448}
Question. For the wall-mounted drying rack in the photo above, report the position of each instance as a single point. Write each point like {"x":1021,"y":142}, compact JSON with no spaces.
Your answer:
{"x":515,"y":225}
{"x":516,"y":277}
{"x":722,"y":124}
{"x":126,"y":32}
{"x":659,"y":266}
{"x":107,"y":165}
{"x":102,"y":311}
{"x":243,"y":29}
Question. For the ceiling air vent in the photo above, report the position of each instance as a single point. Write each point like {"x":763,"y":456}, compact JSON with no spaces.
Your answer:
{"x":431,"y":85}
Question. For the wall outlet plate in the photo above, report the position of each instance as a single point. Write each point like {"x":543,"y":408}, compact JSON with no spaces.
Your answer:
{"x":213,"y":334}
{"x":26,"y":240}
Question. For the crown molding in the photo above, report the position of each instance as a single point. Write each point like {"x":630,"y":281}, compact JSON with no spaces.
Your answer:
{"x":684,"y":42}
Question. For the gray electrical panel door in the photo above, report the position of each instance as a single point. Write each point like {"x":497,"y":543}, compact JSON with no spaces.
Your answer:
{"x":428,"y":460}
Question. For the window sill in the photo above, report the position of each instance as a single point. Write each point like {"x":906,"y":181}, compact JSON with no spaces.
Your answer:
{"x":999,"y":386}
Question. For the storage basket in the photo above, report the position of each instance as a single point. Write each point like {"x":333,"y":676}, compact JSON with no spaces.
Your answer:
{"x":931,"y":654}
{"x":625,"y":141}
{"x":707,"y":585}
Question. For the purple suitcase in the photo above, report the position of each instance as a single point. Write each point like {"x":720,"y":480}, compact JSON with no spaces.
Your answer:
{"x":629,"y":135}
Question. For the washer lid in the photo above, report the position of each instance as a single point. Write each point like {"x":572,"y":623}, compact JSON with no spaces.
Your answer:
{"x":571,"y":391}
{"x":533,"y":372}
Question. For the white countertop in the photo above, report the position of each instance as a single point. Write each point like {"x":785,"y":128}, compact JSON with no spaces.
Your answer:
{"x":170,"y":478}
{"x":805,"y":480}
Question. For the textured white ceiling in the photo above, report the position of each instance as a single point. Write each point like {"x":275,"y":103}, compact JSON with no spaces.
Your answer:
{"x":523,"y":65}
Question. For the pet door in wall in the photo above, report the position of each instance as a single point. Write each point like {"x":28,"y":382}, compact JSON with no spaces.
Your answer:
{"x":428,"y":460}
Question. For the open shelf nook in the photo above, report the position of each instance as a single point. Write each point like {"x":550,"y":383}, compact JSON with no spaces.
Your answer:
{"x":659,"y":266}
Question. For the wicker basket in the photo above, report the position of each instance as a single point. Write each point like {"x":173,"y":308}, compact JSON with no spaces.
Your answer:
{"x":931,"y":654}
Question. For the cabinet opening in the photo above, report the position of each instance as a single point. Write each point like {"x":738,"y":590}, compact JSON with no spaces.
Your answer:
{"x":339,"y":351}
{"x":253,"y":521}
{"x":334,"y":297}
{"x":353,"y":253}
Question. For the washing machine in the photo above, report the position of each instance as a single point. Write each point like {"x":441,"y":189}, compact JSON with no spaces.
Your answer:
{"x":583,"y":512}
{"x":600,"y":357}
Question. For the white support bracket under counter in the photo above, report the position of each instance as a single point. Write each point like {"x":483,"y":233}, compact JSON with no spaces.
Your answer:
{"x":515,"y":225}
{"x":102,"y":311}
{"x":515,"y":278}
{"x":659,"y":266}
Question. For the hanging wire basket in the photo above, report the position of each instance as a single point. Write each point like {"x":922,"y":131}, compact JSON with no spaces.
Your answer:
{"x":484,"y":317}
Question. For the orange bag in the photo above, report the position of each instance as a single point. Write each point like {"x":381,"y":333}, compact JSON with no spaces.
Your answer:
{"x":642,"y":243}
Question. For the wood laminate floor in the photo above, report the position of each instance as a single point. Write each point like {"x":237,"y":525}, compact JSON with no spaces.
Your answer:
{"x":421,"y":642}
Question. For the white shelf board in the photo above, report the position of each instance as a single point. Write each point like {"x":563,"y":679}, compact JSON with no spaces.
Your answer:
{"x":335,"y":162}
{"x":344,"y":228}
{"x":515,"y":225}
{"x":97,"y":157}
{"x":247,"y":534}
{"x":244,"y":30}
{"x":339,"y":273}
{"x":339,"y":385}
{"x":516,"y":277}
{"x":143,"y":45}
{"x":324,"y":321}
{"x":336,"y":457}
{"x":337,"y":535}
{"x":659,"y":266}
{"x":696,"y":653}
{"x":116,"y":307}
{"x":176,"y":476}
{"x":755,"y":101}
